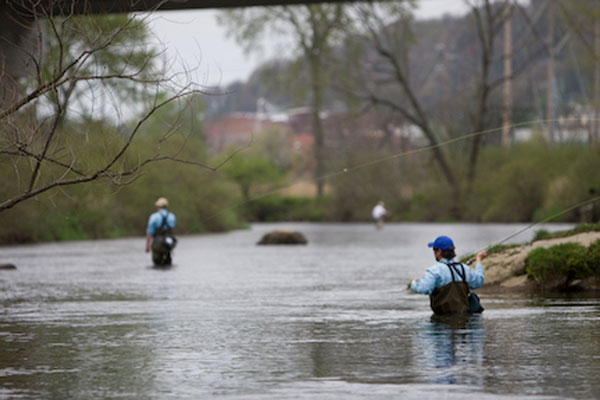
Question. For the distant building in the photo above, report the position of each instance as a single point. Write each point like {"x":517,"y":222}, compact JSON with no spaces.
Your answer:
{"x":576,"y":127}
{"x":239,"y":129}
{"x":341,"y":130}
{"x":300,"y":120}
{"x":303,"y":142}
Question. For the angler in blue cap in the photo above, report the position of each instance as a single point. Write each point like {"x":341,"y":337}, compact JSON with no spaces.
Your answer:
{"x":448,"y":282}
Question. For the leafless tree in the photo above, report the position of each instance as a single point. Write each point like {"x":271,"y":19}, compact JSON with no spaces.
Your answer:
{"x":387,"y":80}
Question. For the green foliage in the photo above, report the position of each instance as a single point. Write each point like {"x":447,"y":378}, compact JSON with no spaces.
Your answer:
{"x":355,"y":193}
{"x":431,"y":203}
{"x":594,"y":258}
{"x":67,"y":228}
{"x":574,"y":176}
{"x":100,"y":209}
{"x":206,"y":201}
{"x":285,"y":208}
{"x":250,"y":171}
{"x":529,"y":182}
{"x":542,"y":234}
{"x":557,"y":265}
{"x":511,"y":185}
{"x":501,"y":247}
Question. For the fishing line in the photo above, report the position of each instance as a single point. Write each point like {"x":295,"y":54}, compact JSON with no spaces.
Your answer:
{"x":550,"y":218}
{"x":371,"y":163}
{"x":437,"y":145}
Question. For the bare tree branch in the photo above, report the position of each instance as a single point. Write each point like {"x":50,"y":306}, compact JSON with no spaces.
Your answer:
{"x":31,"y":134}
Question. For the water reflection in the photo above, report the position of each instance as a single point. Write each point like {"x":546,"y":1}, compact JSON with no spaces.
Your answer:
{"x":75,"y":359}
{"x":451,"y":349}
{"x":360,"y":352}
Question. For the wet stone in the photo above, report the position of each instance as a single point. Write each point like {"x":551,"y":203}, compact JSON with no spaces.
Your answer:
{"x":283,"y":237}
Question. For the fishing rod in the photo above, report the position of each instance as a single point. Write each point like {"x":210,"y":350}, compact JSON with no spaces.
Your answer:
{"x":550,"y":218}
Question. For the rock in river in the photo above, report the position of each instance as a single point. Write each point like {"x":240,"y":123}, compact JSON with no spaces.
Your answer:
{"x":7,"y":266}
{"x":283,"y":237}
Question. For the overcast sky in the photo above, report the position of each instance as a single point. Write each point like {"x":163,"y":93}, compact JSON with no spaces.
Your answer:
{"x":194,"y":39}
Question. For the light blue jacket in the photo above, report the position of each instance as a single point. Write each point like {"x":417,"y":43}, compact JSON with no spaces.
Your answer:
{"x":156,"y":219}
{"x":439,"y":275}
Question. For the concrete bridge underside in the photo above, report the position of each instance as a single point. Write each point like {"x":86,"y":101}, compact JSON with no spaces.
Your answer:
{"x":122,"y":6}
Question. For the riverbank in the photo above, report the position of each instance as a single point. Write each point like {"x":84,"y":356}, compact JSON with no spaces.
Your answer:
{"x":506,"y":270}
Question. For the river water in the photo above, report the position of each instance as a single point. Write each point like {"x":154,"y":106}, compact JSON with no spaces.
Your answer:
{"x":232,"y":320}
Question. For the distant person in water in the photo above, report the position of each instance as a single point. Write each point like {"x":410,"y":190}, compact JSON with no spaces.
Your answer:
{"x":448,"y":282}
{"x":378,"y":213}
{"x":159,"y":234}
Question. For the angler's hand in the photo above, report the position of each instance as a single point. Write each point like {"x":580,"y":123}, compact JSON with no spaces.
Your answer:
{"x":481,"y":255}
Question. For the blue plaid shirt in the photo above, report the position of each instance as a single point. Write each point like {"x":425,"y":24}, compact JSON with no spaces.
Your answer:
{"x":439,"y":275}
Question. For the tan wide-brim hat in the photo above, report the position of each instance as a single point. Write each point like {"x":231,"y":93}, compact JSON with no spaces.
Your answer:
{"x":161,"y":202}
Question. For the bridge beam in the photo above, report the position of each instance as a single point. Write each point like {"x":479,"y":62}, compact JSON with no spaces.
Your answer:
{"x":69,"y":7}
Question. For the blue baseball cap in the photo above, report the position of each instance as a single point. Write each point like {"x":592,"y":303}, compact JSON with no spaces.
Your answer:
{"x":442,"y":243}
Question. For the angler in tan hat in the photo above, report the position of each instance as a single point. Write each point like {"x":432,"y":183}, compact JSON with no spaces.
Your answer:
{"x":159,"y":234}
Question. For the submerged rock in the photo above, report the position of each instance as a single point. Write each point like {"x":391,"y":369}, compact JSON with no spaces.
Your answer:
{"x":8,"y":266}
{"x":281,"y":236}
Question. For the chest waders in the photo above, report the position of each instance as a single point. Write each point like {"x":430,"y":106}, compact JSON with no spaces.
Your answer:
{"x":161,"y":253}
{"x":453,"y":298}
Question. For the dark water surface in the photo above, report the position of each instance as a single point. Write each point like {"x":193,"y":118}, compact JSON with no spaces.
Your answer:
{"x":232,"y":320}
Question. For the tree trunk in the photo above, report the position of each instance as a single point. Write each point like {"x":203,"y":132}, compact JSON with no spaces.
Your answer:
{"x":596,"y":124}
{"x":315,"y":77}
{"x":550,"y":75}
{"x":507,"y":109}
{"x":486,"y":38}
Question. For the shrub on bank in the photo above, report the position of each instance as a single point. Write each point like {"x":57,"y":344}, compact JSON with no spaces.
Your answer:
{"x":594,"y":258}
{"x":285,"y":208}
{"x":557,"y":266}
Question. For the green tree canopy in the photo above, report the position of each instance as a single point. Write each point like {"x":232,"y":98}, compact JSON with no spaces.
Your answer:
{"x":249,"y":171}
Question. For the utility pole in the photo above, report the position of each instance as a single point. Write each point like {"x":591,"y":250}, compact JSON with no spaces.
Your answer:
{"x":507,"y":111}
{"x":550,"y":74}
